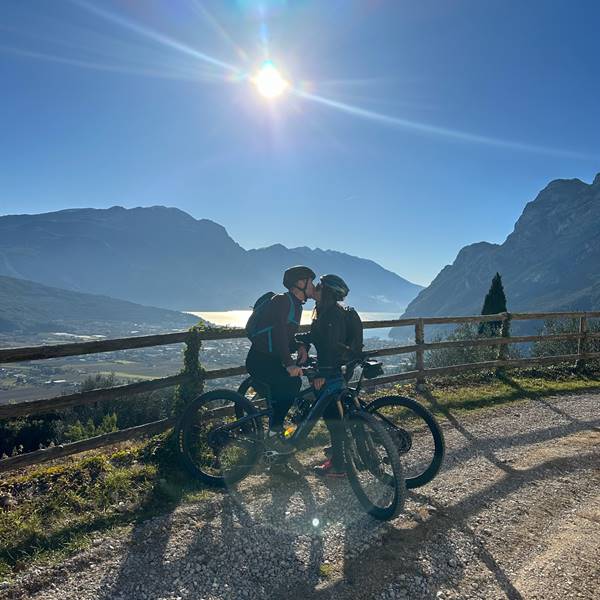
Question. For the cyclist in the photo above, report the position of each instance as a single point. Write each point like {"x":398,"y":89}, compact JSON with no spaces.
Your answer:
{"x":269,"y":359}
{"x":337,"y":335}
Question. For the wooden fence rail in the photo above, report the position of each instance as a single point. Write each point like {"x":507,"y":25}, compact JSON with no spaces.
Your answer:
{"x":44,"y":406}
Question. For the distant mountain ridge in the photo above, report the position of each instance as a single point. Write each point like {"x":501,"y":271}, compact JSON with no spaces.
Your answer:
{"x":550,"y":262}
{"x":29,"y":306}
{"x":371,"y":286}
{"x":165,"y":257}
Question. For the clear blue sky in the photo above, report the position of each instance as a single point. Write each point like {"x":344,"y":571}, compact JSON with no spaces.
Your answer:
{"x":410,"y":128}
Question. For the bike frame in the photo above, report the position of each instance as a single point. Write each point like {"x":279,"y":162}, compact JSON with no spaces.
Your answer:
{"x":330,"y":392}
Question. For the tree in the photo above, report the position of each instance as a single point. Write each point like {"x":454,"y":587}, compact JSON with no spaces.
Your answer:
{"x":494,"y":303}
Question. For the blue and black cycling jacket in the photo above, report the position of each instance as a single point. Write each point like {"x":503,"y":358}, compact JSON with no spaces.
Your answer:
{"x":276,"y":326}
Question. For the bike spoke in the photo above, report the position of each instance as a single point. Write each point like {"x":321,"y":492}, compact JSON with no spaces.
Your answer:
{"x":416,"y":434}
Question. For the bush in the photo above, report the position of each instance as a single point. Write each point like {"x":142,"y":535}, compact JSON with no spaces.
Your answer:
{"x":445,"y":357}
{"x":81,"y":422}
{"x":77,"y":431}
{"x":558,"y":347}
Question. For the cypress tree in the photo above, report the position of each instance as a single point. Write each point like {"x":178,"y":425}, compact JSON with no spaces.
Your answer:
{"x":494,"y":303}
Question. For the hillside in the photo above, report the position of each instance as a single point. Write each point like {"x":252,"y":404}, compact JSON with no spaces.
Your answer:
{"x":550,"y":262}
{"x":165,"y":257}
{"x":29,"y":306}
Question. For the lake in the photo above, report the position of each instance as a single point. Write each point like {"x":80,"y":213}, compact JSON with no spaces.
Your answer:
{"x":238,"y":318}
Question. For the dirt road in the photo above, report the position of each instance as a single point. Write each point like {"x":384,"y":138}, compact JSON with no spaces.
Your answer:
{"x":515,"y":513}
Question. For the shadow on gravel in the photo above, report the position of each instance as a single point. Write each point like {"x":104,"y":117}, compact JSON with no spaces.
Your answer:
{"x":540,"y":398}
{"x":166,"y":493}
{"x":262,"y":536}
{"x":401,"y":549}
{"x":487,"y":446}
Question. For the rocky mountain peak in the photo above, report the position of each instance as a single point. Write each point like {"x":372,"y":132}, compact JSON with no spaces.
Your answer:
{"x":551,"y":260}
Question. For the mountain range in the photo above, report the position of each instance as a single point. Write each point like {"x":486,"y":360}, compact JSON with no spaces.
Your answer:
{"x":164,"y":257}
{"x":550,"y":262}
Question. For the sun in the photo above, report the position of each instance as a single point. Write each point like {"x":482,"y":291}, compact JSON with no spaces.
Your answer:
{"x":269,"y":82}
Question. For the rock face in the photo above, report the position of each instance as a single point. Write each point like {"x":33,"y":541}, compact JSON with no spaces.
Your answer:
{"x":164,"y":257}
{"x":551,"y":261}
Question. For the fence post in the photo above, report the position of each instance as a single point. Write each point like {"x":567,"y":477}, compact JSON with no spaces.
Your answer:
{"x":419,"y":341}
{"x":503,"y":348}
{"x":504,"y":332}
{"x":187,"y":391}
{"x":581,"y":343}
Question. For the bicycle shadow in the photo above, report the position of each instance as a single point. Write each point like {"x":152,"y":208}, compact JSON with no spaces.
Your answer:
{"x":393,"y":561}
{"x":265,"y":529}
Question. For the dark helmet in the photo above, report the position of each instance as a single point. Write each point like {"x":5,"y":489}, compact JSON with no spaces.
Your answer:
{"x":295,"y":274}
{"x":336,"y":284}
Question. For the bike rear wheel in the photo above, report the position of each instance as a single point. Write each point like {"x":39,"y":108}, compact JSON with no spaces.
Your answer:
{"x":417,"y":435}
{"x":373,"y":466}
{"x":214,"y":445}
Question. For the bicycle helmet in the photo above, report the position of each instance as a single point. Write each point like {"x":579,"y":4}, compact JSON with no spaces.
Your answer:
{"x":292,"y":275}
{"x":336,"y":284}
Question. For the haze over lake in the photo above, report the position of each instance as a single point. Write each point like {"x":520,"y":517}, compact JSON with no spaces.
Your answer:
{"x":238,"y":318}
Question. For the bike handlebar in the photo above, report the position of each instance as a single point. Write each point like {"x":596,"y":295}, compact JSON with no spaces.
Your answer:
{"x":310,"y":368}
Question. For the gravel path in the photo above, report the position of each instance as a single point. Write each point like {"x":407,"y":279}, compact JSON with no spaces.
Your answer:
{"x":515,"y":513}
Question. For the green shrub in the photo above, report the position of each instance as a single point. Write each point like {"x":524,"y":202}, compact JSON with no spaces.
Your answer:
{"x":469,"y":354}
{"x":559,"y":347}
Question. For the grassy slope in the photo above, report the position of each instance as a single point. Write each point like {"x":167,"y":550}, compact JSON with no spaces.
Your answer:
{"x":59,"y":509}
{"x":30,"y":304}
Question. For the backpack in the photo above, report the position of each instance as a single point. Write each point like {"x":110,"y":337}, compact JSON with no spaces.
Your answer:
{"x":354,"y":327}
{"x":258,"y":309}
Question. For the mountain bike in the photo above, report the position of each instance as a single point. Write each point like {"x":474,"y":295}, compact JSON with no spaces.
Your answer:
{"x":413,"y":428}
{"x":221,"y":439}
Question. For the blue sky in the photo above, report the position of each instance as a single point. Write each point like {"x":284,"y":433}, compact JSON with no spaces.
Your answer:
{"x":409,"y":129}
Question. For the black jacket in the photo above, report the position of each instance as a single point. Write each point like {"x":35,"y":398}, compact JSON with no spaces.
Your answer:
{"x":337,"y":335}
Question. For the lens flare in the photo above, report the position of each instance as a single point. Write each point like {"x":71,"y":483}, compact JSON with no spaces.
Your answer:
{"x":269,"y":82}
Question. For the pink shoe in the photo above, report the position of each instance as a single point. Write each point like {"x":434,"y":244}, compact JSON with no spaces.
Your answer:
{"x":327,"y":470}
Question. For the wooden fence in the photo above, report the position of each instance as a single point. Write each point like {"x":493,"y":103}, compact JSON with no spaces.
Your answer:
{"x":45,"y":406}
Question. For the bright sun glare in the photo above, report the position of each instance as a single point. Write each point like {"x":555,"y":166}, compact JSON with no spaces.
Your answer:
{"x":269,"y":82}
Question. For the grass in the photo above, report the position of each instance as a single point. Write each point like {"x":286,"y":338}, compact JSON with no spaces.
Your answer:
{"x":62,"y":507}
{"x":478,"y":391}
{"x":325,"y":570}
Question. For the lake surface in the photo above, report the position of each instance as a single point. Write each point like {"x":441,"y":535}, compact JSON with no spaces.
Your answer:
{"x":238,"y":318}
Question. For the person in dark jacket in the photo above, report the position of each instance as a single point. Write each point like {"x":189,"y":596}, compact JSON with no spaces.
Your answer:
{"x":269,"y":359}
{"x":337,"y":334}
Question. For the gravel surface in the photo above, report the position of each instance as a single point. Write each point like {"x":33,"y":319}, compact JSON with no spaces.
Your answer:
{"x":514,"y":513}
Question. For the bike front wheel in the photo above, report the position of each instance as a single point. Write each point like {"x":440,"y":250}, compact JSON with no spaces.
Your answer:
{"x":373,"y":466}
{"x":417,"y":435}
{"x":219,"y":438}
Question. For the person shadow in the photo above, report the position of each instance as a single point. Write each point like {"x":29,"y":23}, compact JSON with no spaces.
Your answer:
{"x":311,"y":539}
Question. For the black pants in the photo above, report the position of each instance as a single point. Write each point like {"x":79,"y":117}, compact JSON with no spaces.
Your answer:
{"x":284,"y":388}
{"x":336,"y":432}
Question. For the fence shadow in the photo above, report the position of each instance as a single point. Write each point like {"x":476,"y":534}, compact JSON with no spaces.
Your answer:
{"x":539,"y":397}
{"x":236,"y":525}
